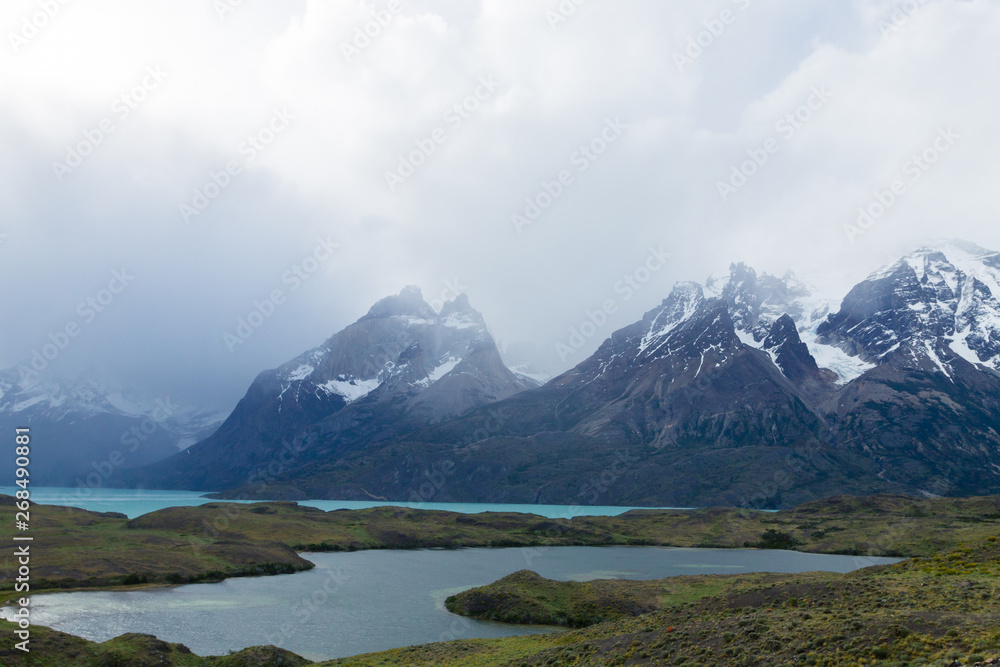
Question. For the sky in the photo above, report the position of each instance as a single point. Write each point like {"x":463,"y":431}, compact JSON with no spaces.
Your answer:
{"x":172,"y":168}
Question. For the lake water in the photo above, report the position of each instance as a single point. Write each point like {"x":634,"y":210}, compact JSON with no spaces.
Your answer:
{"x":135,"y":503}
{"x":367,"y":601}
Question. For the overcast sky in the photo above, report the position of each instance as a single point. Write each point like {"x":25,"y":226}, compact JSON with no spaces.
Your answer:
{"x":312,"y":117}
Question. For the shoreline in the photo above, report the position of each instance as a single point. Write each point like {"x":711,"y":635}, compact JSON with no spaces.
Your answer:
{"x":440,"y":601}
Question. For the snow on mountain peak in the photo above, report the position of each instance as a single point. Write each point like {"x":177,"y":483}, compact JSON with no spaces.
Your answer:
{"x":93,"y":397}
{"x":756,"y":302}
{"x":941,"y":297}
{"x":401,"y":338}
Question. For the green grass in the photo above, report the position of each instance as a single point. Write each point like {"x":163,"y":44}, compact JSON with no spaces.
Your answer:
{"x":939,"y":606}
{"x":75,"y":549}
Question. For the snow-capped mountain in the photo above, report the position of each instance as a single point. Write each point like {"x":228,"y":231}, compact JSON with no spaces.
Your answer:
{"x":84,"y":420}
{"x":400,"y":367}
{"x":929,"y":307}
{"x":757,"y":302}
{"x":445,"y":363}
{"x":929,"y":411}
{"x":749,"y":390}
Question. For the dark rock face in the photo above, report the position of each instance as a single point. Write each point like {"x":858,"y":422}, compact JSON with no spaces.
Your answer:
{"x":792,"y":356}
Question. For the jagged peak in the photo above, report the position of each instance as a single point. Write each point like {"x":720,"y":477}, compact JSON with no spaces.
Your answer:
{"x":459,"y":314}
{"x":408,"y":303}
{"x":739,"y":273}
{"x":783,"y":329}
{"x":946,"y":293}
{"x":960,"y":254}
{"x":688,"y":290}
{"x":742,"y":270}
{"x":460,"y":304}
{"x":960,"y":245}
{"x":683,"y":298}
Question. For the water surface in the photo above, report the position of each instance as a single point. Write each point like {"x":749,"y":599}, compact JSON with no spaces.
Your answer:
{"x":374,"y":600}
{"x":136,"y":502}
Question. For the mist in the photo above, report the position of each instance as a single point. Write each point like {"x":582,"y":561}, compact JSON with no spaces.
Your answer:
{"x":169,"y":167}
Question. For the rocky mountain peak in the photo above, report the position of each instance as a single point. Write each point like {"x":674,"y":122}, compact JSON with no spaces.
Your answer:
{"x":400,"y":367}
{"x":459,"y":314}
{"x":791,"y":355}
{"x":460,"y":304}
{"x":408,"y":303}
{"x":936,"y":304}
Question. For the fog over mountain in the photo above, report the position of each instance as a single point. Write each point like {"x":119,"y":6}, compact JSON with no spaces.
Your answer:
{"x":751,"y":389}
{"x":195,"y":191}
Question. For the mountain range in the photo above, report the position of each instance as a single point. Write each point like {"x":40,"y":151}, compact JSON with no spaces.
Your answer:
{"x":88,"y":426}
{"x":747,"y":390}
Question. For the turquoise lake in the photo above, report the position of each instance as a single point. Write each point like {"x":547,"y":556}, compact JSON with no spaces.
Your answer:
{"x":134,"y":503}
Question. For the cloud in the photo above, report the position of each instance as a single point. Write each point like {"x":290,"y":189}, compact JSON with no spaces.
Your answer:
{"x":358,"y":111}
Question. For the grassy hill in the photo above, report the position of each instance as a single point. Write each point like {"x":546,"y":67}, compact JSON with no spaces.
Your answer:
{"x":932,"y":609}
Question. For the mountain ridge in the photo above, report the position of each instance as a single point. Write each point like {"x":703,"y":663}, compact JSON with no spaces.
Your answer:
{"x":90,"y":425}
{"x":748,"y":390}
